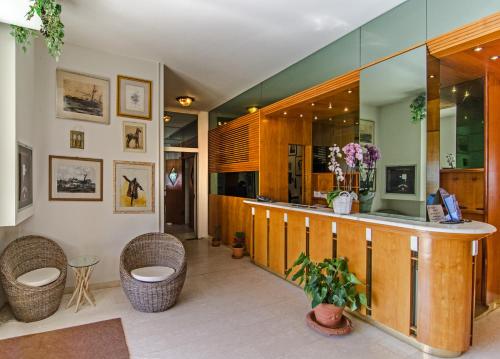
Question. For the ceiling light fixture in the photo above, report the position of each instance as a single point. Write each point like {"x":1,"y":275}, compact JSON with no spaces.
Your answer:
{"x":350,"y":91}
{"x":301,"y":115}
{"x":330,"y":119}
{"x":346,"y":109}
{"x":185,"y":101}
{"x":345,"y":121}
{"x":167,"y":118}
{"x":315,"y":117}
{"x":494,"y":58}
{"x":431,"y":76}
{"x":453,"y":89}
{"x":284,"y":113}
{"x":330,"y":106}
{"x":477,"y":49}
{"x":313,"y":104}
{"x":252,"y":109}
{"x":466,"y":94}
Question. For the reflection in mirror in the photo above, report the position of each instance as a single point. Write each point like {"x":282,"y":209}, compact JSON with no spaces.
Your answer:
{"x":295,"y":173}
{"x":393,"y":117}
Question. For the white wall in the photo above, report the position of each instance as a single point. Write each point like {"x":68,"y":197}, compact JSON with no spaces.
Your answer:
{"x":448,"y":138}
{"x":90,"y":227}
{"x":203,"y":177}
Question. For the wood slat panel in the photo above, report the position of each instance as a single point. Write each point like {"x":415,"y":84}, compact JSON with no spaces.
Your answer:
{"x":320,"y":238}
{"x":391,"y":263}
{"x":231,"y":215}
{"x":466,"y":37}
{"x":234,"y":147}
{"x":277,"y":241}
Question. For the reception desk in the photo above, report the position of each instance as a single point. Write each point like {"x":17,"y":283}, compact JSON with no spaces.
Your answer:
{"x":419,"y":276}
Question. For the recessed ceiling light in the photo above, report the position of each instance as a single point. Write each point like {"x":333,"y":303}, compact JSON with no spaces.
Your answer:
{"x":494,"y":58}
{"x":185,"y":101}
{"x":346,"y":109}
{"x":345,"y":121}
{"x":313,"y":104}
{"x":350,"y":91}
{"x":431,"y":76}
{"x":301,"y":115}
{"x":453,"y":89}
{"x":167,"y":118}
{"x":477,"y":49}
{"x":330,"y":119}
{"x":252,"y":109}
{"x":315,"y":117}
{"x":330,"y":106}
{"x":284,"y":113}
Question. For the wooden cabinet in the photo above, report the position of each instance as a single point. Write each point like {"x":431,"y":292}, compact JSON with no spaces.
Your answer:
{"x":277,"y":241}
{"x":468,"y":186}
{"x":296,"y":236}
{"x":321,"y":239}
{"x":260,"y":236}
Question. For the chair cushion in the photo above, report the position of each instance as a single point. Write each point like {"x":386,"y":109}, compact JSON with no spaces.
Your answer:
{"x":152,"y":274}
{"x":39,"y":277}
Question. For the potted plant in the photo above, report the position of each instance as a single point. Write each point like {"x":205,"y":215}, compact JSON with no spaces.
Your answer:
{"x":371,"y":155}
{"x":216,"y":242}
{"x":330,"y":286}
{"x":239,"y":245}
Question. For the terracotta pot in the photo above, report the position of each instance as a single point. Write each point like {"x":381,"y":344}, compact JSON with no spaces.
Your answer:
{"x":216,"y":243}
{"x":328,"y":315}
{"x":238,"y":253}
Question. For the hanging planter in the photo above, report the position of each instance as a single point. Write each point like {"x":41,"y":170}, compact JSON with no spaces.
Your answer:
{"x":52,"y":29}
{"x":418,"y":108}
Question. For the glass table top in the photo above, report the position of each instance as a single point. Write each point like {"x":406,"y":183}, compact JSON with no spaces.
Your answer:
{"x":83,"y":261}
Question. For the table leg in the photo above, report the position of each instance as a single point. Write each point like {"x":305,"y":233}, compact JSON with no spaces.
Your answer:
{"x":82,"y":292}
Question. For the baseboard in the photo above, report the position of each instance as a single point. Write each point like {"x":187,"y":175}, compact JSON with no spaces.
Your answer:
{"x":96,"y":286}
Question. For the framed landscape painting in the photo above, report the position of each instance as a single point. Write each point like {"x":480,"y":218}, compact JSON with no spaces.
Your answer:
{"x":75,"y":179}
{"x":366,"y":132}
{"x":25,"y":176}
{"x":134,"y":185}
{"x":134,"y":98}
{"x":134,"y":137}
{"x":82,"y":97}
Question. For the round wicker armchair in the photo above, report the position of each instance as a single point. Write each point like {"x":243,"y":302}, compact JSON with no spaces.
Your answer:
{"x":153,"y":249}
{"x":25,"y":254}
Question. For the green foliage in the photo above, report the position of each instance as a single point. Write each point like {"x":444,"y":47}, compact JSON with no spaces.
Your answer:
{"x":331,"y":196}
{"x":52,"y":28}
{"x":418,"y":108}
{"x":328,"y":282}
{"x":239,"y":240}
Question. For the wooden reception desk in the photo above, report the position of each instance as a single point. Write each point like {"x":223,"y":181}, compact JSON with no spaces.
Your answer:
{"x":419,"y":276}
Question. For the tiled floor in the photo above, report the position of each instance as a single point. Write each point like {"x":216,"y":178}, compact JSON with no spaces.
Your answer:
{"x":232,"y":309}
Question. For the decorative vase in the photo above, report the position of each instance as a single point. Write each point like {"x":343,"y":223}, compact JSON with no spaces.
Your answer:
{"x":238,"y":252}
{"x":328,"y":315}
{"x":342,"y":203}
{"x":366,"y":201}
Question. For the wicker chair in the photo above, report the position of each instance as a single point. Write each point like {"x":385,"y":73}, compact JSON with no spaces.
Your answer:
{"x":153,"y":249}
{"x":23,"y":255}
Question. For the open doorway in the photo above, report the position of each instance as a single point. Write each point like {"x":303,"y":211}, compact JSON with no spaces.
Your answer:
{"x":180,"y":194}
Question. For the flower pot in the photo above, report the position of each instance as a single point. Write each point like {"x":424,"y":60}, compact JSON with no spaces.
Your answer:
{"x":216,"y":242}
{"x":366,"y":201}
{"x":238,"y":252}
{"x":342,"y":203}
{"x":328,"y":315}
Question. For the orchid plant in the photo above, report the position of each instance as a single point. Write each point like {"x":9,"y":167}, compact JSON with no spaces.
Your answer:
{"x":371,"y":155}
{"x":353,"y":154}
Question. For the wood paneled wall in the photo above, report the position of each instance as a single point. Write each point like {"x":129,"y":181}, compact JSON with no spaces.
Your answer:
{"x":234,"y":147}
{"x":231,"y":215}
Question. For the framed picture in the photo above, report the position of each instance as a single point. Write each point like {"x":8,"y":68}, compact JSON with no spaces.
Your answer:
{"x":77,"y":139}
{"x":298,"y":166}
{"x":82,"y":97}
{"x":134,"y":98}
{"x":134,"y":137}
{"x":366,"y":132}
{"x":133,"y":184}
{"x":75,"y":179}
{"x":292,"y":150}
{"x":400,"y":179}
{"x":25,"y":176}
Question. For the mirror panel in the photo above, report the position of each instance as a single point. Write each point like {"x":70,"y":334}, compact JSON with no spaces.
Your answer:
{"x":393,"y":98}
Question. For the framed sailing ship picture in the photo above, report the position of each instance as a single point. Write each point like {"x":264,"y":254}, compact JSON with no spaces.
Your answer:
{"x":134,"y":98}
{"x":75,"y":179}
{"x":82,"y":97}
{"x":134,"y":185}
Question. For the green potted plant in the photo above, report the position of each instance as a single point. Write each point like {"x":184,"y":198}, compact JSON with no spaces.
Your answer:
{"x":239,"y":245}
{"x":216,"y":242}
{"x":330,"y":286}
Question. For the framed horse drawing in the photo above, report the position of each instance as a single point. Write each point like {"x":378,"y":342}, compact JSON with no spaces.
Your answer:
{"x":134,"y":137}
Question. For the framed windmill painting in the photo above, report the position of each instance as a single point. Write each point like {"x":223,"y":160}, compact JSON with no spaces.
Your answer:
{"x":134,"y":98}
{"x":134,"y":185}
{"x":82,"y":97}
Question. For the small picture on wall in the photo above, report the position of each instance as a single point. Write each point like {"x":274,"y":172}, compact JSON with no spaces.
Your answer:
{"x":25,"y":176}
{"x":134,"y":98}
{"x":75,"y":179}
{"x":298,"y":166}
{"x":292,"y":150}
{"x":366,"y":132}
{"x":400,"y":179}
{"x":133,"y":187}
{"x":134,"y":137}
{"x":82,"y":97}
{"x":77,"y":139}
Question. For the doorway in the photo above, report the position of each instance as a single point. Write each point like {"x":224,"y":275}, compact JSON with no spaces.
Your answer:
{"x":180,"y":194}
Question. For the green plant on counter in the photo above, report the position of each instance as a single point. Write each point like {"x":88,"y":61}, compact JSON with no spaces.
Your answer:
{"x":52,"y":29}
{"x":418,"y":108}
{"x":328,"y":282}
{"x":331,"y":196}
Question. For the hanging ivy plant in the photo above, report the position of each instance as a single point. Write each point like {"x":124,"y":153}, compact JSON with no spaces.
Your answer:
{"x":418,"y":108}
{"x":52,"y":28}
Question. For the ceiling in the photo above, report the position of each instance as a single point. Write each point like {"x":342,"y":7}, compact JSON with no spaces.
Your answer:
{"x":213,"y":50}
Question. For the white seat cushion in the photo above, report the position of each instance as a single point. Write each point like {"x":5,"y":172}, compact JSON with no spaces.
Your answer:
{"x":152,"y":274}
{"x":39,"y":277}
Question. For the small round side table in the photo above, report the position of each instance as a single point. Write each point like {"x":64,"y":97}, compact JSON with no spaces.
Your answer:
{"x":82,"y":267}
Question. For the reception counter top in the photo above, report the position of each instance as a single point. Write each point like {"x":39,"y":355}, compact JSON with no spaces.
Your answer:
{"x":420,"y":277}
{"x":473,"y":227}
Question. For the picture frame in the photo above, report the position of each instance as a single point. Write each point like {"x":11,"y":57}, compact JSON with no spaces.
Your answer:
{"x":77,"y":139}
{"x":401,"y":179}
{"x":82,"y":97}
{"x":298,"y":166}
{"x":25,"y":176}
{"x":133,"y":187}
{"x":75,"y":178}
{"x":134,"y":136}
{"x":134,"y":97}
{"x":292,"y":150}
{"x":366,"y":132}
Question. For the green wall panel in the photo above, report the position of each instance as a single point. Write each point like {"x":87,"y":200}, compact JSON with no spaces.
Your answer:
{"x":446,"y":15}
{"x":396,"y":30}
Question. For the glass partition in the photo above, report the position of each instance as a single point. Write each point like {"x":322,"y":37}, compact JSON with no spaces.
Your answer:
{"x":180,"y":130}
{"x":393,"y":116}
